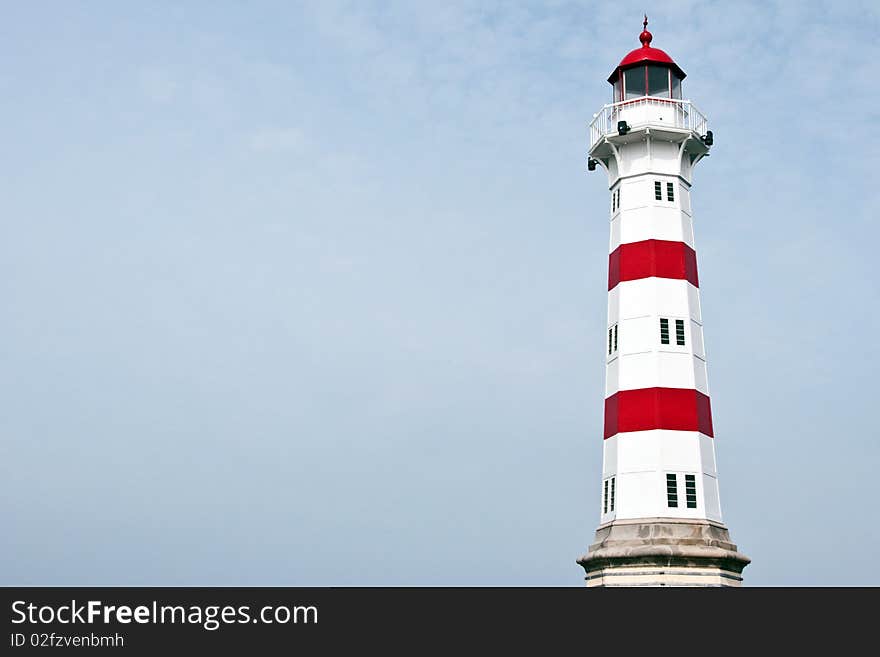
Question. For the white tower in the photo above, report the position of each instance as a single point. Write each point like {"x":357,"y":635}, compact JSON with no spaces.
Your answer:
{"x":660,"y":521}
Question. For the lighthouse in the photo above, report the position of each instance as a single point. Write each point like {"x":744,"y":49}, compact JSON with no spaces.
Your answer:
{"x":660,"y":520}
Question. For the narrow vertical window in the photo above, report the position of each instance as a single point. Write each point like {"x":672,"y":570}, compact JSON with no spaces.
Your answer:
{"x":671,"y":491}
{"x":664,"y":330}
{"x":605,"y":498}
{"x":611,"y":506}
{"x":609,"y":340}
{"x":658,"y":196}
{"x":690,"y":491}
{"x":613,"y":201}
{"x":618,"y":198}
{"x":679,"y":332}
{"x":615,"y":337}
{"x":670,"y":196}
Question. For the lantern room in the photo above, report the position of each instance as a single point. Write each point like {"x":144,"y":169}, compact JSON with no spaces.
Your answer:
{"x":648,"y":108}
{"x":646,"y":71}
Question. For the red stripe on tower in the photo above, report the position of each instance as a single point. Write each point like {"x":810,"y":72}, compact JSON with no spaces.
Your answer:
{"x":660,"y":258}
{"x":676,"y":409}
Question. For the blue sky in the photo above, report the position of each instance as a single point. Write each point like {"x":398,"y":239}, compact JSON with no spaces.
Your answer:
{"x":314,"y":294}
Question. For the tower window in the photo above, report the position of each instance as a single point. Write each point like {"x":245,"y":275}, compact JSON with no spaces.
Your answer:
{"x":658,"y":189}
{"x":671,"y":491}
{"x":664,"y":330}
{"x":615,"y":200}
{"x":670,"y":195}
{"x":612,"y":339}
{"x":679,"y":332}
{"x":608,"y":495}
{"x":690,"y":491}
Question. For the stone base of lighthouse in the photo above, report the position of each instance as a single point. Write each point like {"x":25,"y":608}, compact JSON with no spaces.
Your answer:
{"x":663,"y":552}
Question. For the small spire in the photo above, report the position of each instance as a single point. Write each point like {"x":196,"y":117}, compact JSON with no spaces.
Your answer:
{"x":645,"y":37}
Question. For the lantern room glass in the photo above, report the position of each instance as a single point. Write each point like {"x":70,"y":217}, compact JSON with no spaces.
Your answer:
{"x":634,"y":82}
{"x":676,"y":86}
{"x":658,"y":81}
{"x":652,"y":80}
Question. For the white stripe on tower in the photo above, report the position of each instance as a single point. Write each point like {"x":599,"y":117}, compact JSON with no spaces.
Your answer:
{"x":658,"y":416}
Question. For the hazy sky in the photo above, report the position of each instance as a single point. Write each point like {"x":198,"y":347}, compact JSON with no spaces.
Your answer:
{"x":315,"y":294}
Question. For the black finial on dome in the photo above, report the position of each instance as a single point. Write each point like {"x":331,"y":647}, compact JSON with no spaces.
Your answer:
{"x":645,"y":37}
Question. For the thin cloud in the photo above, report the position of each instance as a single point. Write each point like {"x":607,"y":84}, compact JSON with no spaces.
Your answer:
{"x":157,"y":85}
{"x":276,"y":139}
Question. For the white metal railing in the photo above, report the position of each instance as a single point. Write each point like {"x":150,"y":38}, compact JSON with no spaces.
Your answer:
{"x":647,"y":111}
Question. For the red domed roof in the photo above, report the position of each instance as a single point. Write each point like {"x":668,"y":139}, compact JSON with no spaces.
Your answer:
{"x":645,"y":54}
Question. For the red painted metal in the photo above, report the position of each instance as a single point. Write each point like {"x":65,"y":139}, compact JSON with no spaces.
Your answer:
{"x":660,"y":258}
{"x":646,"y":55}
{"x":675,"y":409}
